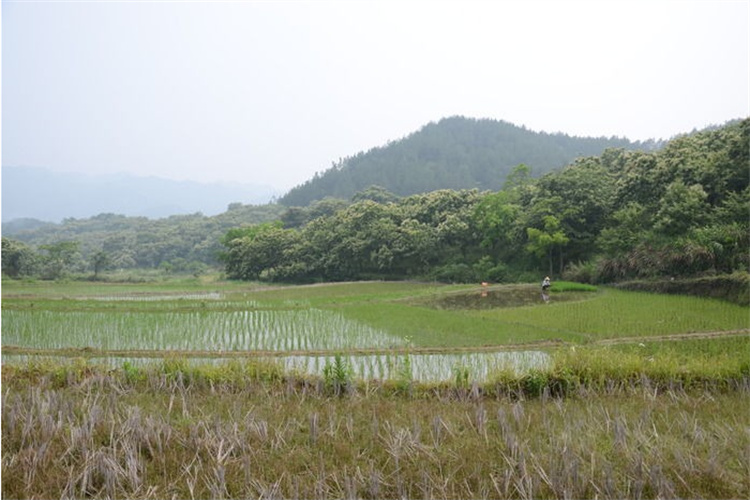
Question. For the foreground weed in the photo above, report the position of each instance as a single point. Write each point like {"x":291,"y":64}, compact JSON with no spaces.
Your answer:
{"x":101,"y":436}
{"x":338,"y":375}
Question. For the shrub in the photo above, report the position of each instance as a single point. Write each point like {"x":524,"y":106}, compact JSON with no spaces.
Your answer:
{"x":487,"y":270}
{"x":582,"y":272}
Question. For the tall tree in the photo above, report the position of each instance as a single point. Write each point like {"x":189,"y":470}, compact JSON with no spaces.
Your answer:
{"x":99,"y":262}
{"x":60,"y":258}
{"x":18,"y":259}
{"x":544,"y":242}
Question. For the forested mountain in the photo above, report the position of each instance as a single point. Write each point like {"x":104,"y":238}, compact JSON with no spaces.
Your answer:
{"x":454,"y":153}
{"x":680,"y":211}
{"x":39,"y":193}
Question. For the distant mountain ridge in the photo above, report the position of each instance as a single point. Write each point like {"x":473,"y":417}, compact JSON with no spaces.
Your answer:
{"x":454,"y":153}
{"x":48,"y":195}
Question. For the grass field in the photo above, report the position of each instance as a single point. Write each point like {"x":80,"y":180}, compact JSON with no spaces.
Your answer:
{"x":211,"y":389}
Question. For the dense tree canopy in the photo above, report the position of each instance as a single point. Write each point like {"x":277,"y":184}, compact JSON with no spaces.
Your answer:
{"x":178,"y":243}
{"x":363,"y":239}
{"x":681,"y":210}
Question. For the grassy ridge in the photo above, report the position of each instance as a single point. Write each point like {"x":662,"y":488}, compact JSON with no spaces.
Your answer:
{"x":59,"y":289}
{"x":718,"y":363}
{"x":235,"y":290}
{"x":721,"y":362}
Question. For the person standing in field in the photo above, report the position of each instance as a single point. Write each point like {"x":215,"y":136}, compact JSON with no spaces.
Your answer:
{"x":545,"y":289}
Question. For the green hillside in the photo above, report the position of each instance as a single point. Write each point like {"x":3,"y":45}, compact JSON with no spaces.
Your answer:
{"x":454,"y":153}
{"x":679,"y":211}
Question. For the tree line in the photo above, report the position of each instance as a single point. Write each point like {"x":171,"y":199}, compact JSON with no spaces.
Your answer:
{"x":679,"y":211}
{"x":180,"y":243}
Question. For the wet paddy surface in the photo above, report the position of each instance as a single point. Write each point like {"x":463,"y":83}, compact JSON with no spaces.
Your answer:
{"x":500,"y":297}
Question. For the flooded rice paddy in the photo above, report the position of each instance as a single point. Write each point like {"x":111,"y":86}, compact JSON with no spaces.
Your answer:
{"x":494,"y":298}
{"x":297,"y":334}
{"x":158,"y":298}
{"x":263,"y":330}
{"x":479,"y":366}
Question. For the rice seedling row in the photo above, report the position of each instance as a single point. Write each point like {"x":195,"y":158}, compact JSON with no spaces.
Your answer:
{"x":468,"y":367}
{"x":277,"y":330}
{"x":283,"y":321}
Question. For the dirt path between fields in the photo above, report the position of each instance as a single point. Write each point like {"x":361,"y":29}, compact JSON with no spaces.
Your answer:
{"x":149,"y":353}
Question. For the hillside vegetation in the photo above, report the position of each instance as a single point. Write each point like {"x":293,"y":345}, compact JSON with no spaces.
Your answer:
{"x":679,"y":211}
{"x":110,"y":241}
{"x":454,"y":153}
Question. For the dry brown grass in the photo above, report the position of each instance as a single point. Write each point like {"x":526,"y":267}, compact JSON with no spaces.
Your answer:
{"x":102,"y":434}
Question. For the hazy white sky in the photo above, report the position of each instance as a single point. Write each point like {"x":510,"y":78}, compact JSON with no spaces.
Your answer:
{"x":271,"y":92}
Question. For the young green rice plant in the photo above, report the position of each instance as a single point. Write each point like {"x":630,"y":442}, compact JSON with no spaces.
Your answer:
{"x":132,"y":374}
{"x":461,"y":376}
{"x":338,"y":376}
{"x":617,"y":313}
{"x":279,"y":330}
{"x":534,"y":382}
{"x":570,"y":286}
{"x":404,"y":376}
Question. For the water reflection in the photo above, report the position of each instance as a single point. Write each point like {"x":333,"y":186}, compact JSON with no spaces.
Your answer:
{"x":276,"y":330}
{"x":480,"y":366}
{"x":492,"y":298}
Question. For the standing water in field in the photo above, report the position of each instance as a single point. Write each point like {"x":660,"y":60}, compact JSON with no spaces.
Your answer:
{"x":493,"y":298}
{"x":479,"y":366}
{"x":263,"y":330}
